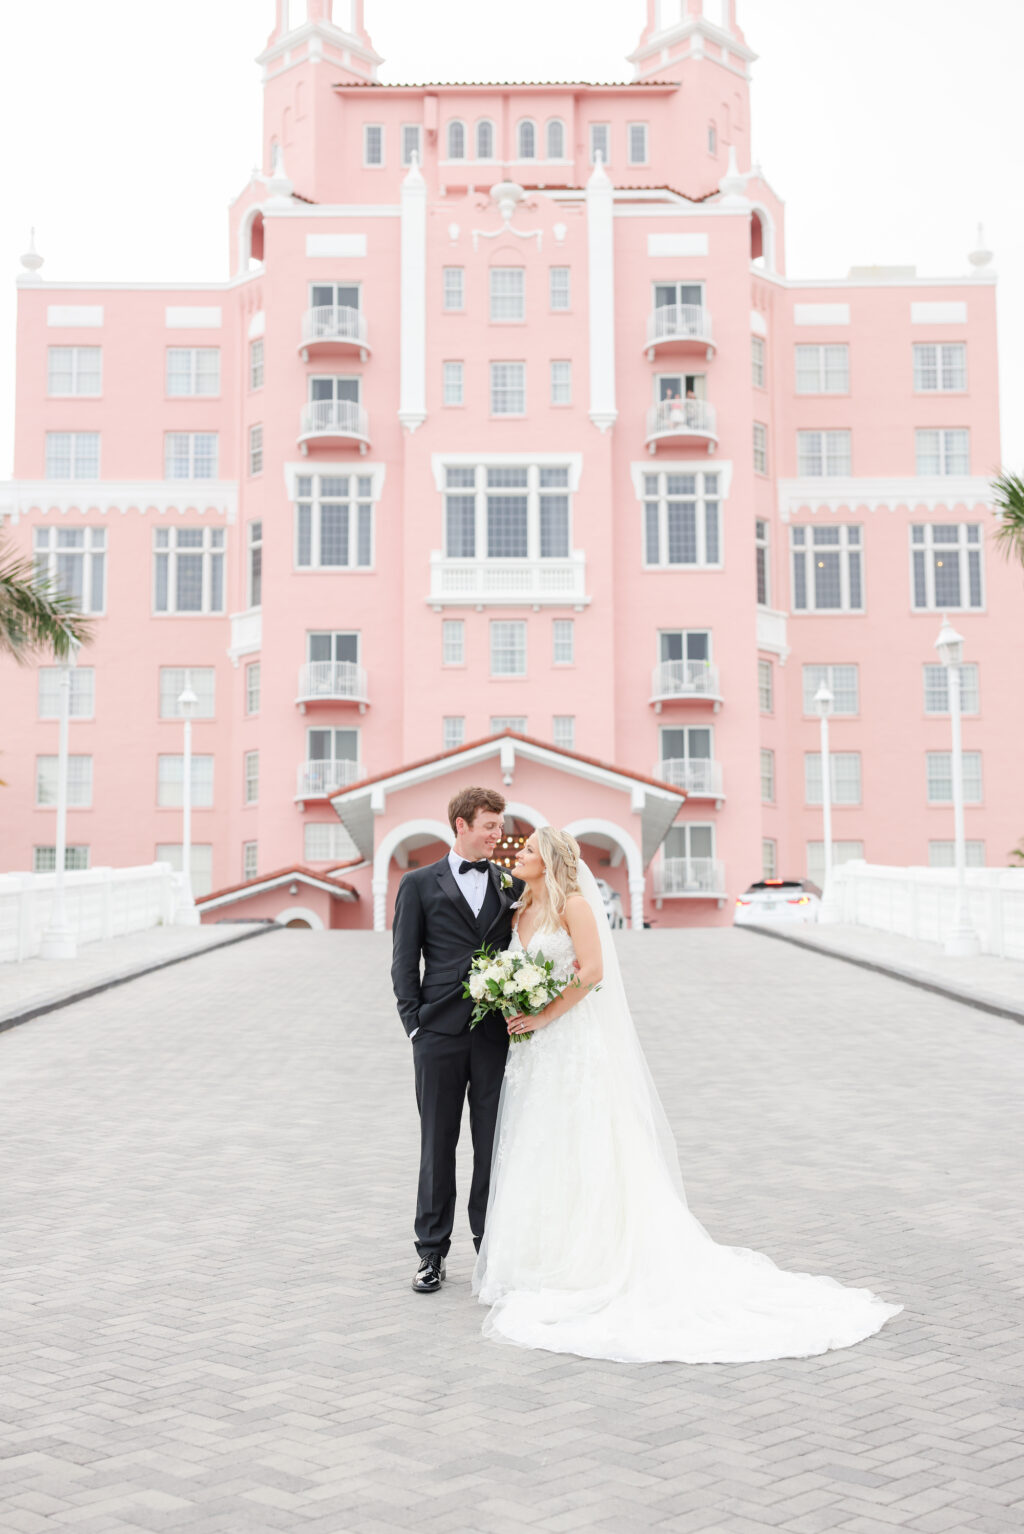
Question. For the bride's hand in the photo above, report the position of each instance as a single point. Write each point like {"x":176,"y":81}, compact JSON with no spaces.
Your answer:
{"x":523,"y":1023}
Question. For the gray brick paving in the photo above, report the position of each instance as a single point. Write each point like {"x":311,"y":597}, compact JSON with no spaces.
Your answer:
{"x":206,"y":1226}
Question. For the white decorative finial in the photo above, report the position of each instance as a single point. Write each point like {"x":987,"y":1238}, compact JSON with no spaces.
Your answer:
{"x":414,"y":174}
{"x":733,"y":184}
{"x":598,"y":176}
{"x":279,"y":184}
{"x":507,"y":194}
{"x":980,"y":257}
{"x":32,"y":260}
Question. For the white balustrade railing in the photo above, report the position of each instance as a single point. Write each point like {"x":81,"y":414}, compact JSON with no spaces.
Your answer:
{"x":689,"y":876}
{"x":330,"y":322}
{"x":696,"y":775}
{"x":920,"y":902}
{"x":99,"y":903}
{"x":331,"y":679}
{"x":508,"y":581}
{"x":319,"y":778}
{"x":334,"y":418}
{"x":682,"y":418}
{"x":685,"y":679}
{"x":682,"y":322}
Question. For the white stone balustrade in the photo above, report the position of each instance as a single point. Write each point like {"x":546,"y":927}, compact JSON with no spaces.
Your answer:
{"x":685,"y":679}
{"x":331,"y":681}
{"x":919,"y":903}
{"x":99,"y":903}
{"x":679,"y":325}
{"x":698,"y":776}
{"x":689,"y":876}
{"x":318,"y":779}
{"x":334,"y":420}
{"x":678,"y":419}
{"x":508,"y":582}
{"x":333,"y":327}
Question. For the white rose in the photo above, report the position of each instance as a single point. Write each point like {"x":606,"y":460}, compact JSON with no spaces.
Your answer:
{"x":477,"y":987}
{"x":510,"y":987}
{"x":539,"y":997}
{"x":530,"y":976}
{"x":494,"y":973}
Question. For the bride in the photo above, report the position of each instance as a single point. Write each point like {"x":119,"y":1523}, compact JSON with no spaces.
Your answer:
{"x":589,"y":1246}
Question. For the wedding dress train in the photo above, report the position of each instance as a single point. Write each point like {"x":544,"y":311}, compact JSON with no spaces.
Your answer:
{"x":589,"y":1245}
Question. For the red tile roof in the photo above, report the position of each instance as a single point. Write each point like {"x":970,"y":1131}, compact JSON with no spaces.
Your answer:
{"x":505,"y":85}
{"x":530,"y":740}
{"x":284,"y":873}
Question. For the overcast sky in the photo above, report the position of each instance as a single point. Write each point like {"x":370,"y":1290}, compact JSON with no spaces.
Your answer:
{"x":890,"y":127}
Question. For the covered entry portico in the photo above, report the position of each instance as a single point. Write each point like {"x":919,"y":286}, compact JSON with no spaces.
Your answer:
{"x":399,"y":819}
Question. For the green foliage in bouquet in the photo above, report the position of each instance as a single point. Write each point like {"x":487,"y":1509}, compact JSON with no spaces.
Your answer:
{"x":511,"y":984}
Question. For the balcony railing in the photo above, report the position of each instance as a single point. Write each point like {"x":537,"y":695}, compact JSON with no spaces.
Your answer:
{"x":508,"y":582}
{"x":332,"y":681}
{"x":333,"y":328}
{"x":333,"y":422}
{"x":696,"y":775}
{"x":318,"y":779}
{"x":685,"y":680}
{"x":698,"y":878}
{"x":679,"y":327}
{"x":682,"y":420}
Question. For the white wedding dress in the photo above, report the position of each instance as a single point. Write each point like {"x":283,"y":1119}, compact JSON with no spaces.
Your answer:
{"x":589,"y":1245}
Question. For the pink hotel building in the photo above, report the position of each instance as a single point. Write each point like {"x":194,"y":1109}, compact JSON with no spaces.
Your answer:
{"x":509,"y":453}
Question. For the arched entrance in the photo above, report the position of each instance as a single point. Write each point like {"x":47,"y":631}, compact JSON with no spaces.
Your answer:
{"x":408,"y":837}
{"x":299,"y":916}
{"x":607,"y":837}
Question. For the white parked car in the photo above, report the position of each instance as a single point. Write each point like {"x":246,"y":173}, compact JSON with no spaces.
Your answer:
{"x":778,"y":900}
{"x":612,"y":904}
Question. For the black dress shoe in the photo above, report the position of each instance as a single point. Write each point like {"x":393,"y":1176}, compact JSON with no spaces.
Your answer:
{"x":429,"y":1275}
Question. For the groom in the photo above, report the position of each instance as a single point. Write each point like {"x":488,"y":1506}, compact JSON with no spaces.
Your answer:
{"x":445,"y":912}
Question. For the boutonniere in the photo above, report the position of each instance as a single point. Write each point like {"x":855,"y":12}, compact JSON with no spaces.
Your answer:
{"x":506,"y":881}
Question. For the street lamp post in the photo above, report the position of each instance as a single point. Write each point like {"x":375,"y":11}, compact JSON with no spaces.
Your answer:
{"x":186,"y":915}
{"x":824,"y":701}
{"x":59,"y":941}
{"x":961,"y":940}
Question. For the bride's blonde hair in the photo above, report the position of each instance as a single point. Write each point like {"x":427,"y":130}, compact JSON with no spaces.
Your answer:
{"x":560,"y":854}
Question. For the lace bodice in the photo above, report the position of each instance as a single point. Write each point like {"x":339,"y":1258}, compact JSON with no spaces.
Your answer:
{"x":554,"y":943}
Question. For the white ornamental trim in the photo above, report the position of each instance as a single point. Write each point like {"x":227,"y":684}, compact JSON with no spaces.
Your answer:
{"x":954,"y":312}
{"x":821,"y":314}
{"x":74,"y":316}
{"x":335,"y":245}
{"x":192,"y":316}
{"x":48,"y":497}
{"x":966,"y":494}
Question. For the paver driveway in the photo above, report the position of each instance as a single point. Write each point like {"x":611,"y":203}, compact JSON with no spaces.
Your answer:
{"x":207,"y":1324}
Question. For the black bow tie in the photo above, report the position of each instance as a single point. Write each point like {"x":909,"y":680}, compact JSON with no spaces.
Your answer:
{"x":481,"y":867}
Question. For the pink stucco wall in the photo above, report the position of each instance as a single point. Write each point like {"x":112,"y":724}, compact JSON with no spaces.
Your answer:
{"x":315,"y":114}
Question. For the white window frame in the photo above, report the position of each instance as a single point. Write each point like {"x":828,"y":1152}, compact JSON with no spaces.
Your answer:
{"x":192,"y":438}
{"x":369,"y":164}
{"x":453,"y":390}
{"x":833,"y":450}
{"x":453,"y":732}
{"x":411,"y":148}
{"x":453,"y":125}
{"x":561,"y":382}
{"x":942,"y":854}
{"x":502,"y":639}
{"x":644,"y":129}
{"x":316,"y":501}
{"x":80,"y":781}
{"x":559,"y":287}
{"x":53,"y":548}
{"x":254,"y":563}
{"x":250,"y":860}
{"x":945,"y":357}
{"x":760,"y":441}
{"x":822,"y":368}
{"x":453,"y":289}
{"x":701,"y":498}
{"x":765,"y":686}
{"x":845,"y":780}
{"x":929,"y":550}
{"x":167,"y":545}
{"x":842,"y":852}
{"x":76,"y":859}
{"x":563,"y":731}
{"x":762,"y":562}
{"x":850,"y":548}
{"x":502,"y":722}
{"x":594,"y":131}
{"x":253,"y":682}
{"x":171,"y":682}
{"x":512,"y":299}
{"x":758,"y":360}
{"x":83,"y":455}
{"x":453,"y":642}
{"x":813,"y":674}
{"x":200,"y":860}
{"x":256,"y":449}
{"x":257,"y":355}
{"x":951,"y":453}
{"x":559,"y":123}
{"x":769,"y":857}
{"x":502,"y":386}
{"x":767,"y":775}
{"x":935,"y":677}
{"x":340,"y":847}
{"x":485,"y":122}
{"x":563,"y":642}
{"x":195,"y":377}
{"x":534,"y":490}
{"x":78,"y":373}
{"x":524,"y":124}
{"x":939,"y":772}
{"x":251,"y":777}
{"x":81,"y":695}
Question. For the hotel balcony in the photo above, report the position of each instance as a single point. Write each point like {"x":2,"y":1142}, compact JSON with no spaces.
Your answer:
{"x":697,"y":776}
{"x":318,"y":779}
{"x":333,"y":331}
{"x":334,"y":423}
{"x":682,"y":423}
{"x":532,"y":583}
{"x":689,"y":879}
{"x":331,"y":681}
{"x":679,"y":328}
{"x":685,"y":681}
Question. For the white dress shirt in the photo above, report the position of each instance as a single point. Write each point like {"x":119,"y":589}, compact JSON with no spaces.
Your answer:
{"x":473,"y":883}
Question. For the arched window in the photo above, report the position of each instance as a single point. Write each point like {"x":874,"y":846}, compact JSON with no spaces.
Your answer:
{"x":556,"y":139}
{"x":485,"y":140}
{"x":456,"y":141}
{"x":527,"y":140}
{"x":256,"y":239}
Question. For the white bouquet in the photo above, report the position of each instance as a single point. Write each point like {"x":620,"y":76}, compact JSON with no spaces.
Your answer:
{"x":513,"y":984}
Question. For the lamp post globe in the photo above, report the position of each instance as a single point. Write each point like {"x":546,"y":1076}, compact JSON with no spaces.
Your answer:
{"x":186,"y":914}
{"x":961,"y":940}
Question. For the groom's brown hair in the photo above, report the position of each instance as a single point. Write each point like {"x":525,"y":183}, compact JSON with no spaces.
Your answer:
{"x":468,"y":800}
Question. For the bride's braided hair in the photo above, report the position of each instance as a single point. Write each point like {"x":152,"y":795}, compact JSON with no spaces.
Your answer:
{"x":560,"y":853}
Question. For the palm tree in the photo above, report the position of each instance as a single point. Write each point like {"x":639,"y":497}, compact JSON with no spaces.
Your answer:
{"x":35,"y":614}
{"x":1008,"y":499}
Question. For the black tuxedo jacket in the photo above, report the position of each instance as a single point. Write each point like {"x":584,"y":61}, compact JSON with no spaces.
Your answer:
{"x":433,"y":918}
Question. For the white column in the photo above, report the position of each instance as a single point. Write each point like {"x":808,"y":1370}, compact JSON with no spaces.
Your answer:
{"x":601,"y":259}
{"x":58,"y":940}
{"x":412,"y":405}
{"x":636,"y":903}
{"x":380,"y":904}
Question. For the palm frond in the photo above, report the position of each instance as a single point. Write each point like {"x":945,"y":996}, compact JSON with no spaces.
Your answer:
{"x":1008,"y":499}
{"x":35,"y":614}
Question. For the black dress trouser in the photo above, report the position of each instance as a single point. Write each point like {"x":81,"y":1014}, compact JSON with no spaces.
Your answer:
{"x":446,"y":1066}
